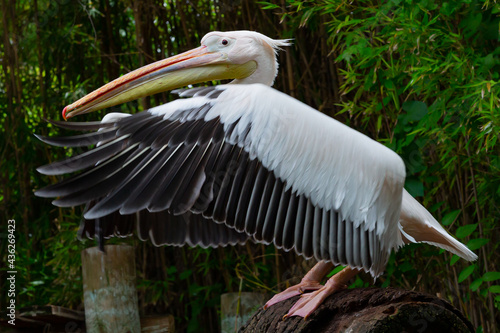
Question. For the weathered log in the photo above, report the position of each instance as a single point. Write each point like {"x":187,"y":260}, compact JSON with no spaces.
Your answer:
{"x":366,"y":310}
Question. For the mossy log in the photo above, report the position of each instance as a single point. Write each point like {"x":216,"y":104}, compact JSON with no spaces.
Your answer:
{"x":366,"y":310}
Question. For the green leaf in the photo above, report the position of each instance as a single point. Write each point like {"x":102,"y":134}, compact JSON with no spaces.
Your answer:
{"x":184,"y":275}
{"x":491,"y":276}
{"x":447,"y":9}
{"x":466,"y":230}
{"x":406,"y":266}
{"x":471,"y":23}
{"x":450,"y":217}
{"x":268,"y":5}
{"x":465,"y":273}
{"x":476,"y":243}
{"x":476,"y":284}
{"x":489,"y":61}
{"x":415,"y":187}
{"x":379,"y":123}
{"x":336,"y":270}
{"x":389,"y":84}
{"x":416,"y":110}
{"x":495,"y":289}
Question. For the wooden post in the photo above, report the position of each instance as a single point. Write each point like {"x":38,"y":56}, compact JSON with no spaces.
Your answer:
{"x":237,"y":308}
{"x":373,"y":310}
{"x":109,"y":291}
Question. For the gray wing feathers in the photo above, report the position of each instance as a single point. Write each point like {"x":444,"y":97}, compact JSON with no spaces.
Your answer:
{"x":289,"y":229}
{"x":307,"y":236}
{"x":324,"y":235}
{"x":299,"y":224}
{"x":332,"y":241}
{"x":317,"y":232}
{"x":164,"y":229}
{"x":279,"y":224}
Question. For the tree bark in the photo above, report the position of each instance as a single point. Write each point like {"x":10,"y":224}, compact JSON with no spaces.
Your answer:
{"x":366,"y":310}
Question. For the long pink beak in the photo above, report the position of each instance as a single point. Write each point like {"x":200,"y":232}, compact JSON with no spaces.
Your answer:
{"x":194,"y":66}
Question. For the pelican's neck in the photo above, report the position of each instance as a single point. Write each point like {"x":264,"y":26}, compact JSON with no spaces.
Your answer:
{"x":259,"y":76}
{"x":267,"y":69}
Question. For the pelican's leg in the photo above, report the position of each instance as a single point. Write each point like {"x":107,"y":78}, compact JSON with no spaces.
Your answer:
{"x":307,"y":303}
{"x":311,"y":281}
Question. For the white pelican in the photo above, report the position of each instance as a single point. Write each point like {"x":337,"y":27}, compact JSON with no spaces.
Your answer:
{"x":259,"y":163}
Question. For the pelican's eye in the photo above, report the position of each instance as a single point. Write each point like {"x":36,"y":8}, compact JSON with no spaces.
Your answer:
{"x":224,"y":42}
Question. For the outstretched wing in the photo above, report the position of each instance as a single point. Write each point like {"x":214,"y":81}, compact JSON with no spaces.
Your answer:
{"x":249,"y":157}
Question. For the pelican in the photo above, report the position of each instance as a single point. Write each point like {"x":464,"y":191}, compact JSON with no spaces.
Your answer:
{"x":250,"y":162}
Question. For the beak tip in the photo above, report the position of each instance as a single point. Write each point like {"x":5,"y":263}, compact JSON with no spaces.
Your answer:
{"x":64,"y":113}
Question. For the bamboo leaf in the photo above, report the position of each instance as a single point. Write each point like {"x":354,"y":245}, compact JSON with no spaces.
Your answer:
{"x":416,"y":110}
{"x":465,"y":273}
{"x":450,"y":217}
{"x":335,"y":270}
{"x":415,"y":187}
{"x":476,"y":243}
{"x":466,"y":230}
{"x":495,"y":289}
{"x":475,"y":284}
{"x":491,"y":276}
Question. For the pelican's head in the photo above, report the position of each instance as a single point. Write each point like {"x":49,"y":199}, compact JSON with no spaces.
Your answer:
{"x":245,"y":56}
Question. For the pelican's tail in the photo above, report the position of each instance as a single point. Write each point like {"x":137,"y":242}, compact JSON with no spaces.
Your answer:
{"x":418,"y":226}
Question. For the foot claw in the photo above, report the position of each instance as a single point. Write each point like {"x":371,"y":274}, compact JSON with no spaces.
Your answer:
{"x":298,"y":289}
{"x":308,"y":303}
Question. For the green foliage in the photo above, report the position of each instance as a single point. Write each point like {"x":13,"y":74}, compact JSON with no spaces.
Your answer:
{"x":465,"y":273}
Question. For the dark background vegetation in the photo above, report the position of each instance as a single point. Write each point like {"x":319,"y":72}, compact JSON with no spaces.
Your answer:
{"x":420,"y":76}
